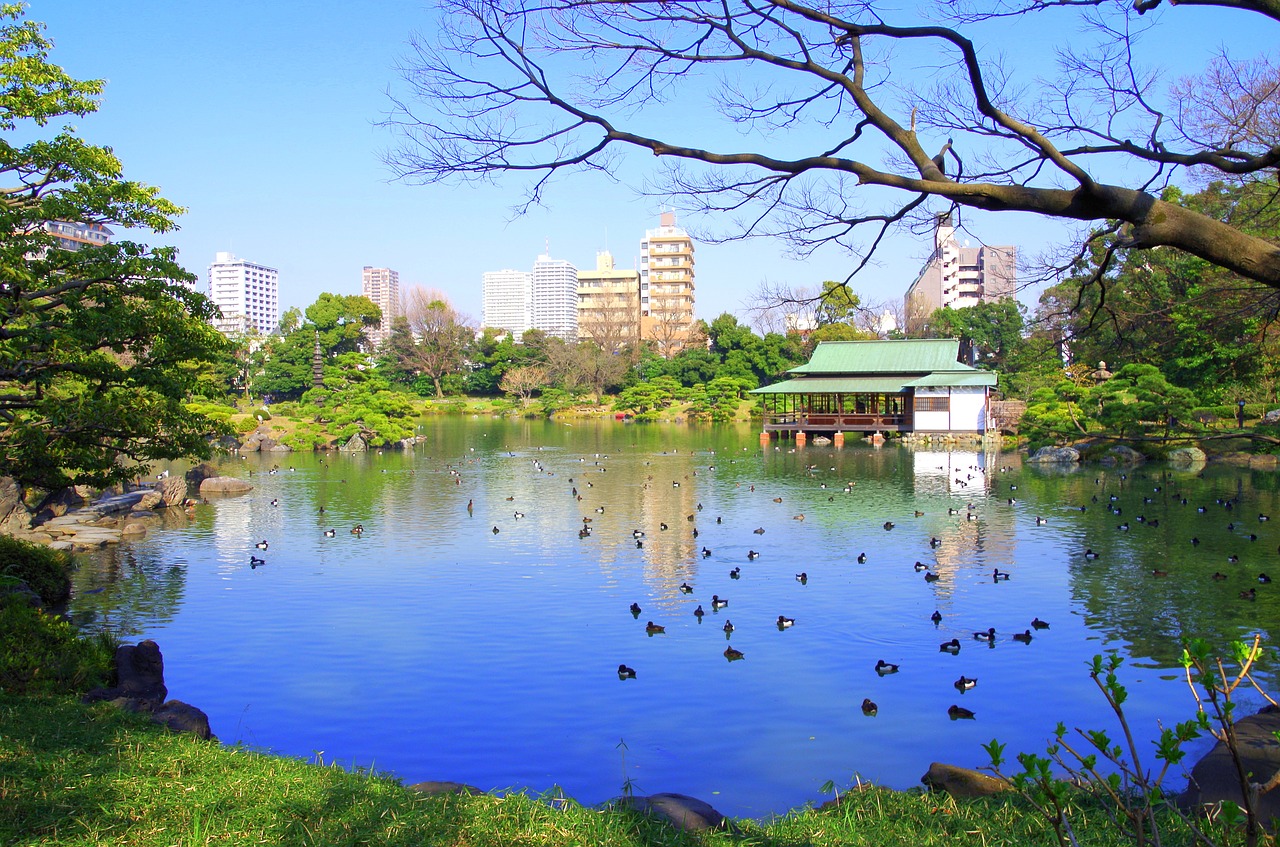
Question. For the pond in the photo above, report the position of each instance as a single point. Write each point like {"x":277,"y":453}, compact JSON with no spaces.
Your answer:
{"x":482,"y":644}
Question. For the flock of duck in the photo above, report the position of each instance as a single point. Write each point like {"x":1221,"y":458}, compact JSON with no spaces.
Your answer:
{"x":578,"y":485}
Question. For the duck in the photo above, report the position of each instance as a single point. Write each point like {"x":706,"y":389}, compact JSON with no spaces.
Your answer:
{"x":1158,"y":572}
{"x":1251,"y":594}
{"x":735,"y":573}
{"x":802,"y":578}
{"x":357,"y":529}
{"x":1262,"y":517}
{"x":758,"y":530}
{"x":706,"y":553}
{"x":752,"y":555}
{"x":862,"y":558}
{"x":888,"y":525}
{"x":777,"y":499}
{"x":717,"y":603}
{"x":799,"y":517}
{"x":1089,"y":554}
{"x":1264,"y":579}
{"x":1041,"y":521}
{"x":785,"y":622}
{"x":883,"y":667}
{"x":599,"y":510}
{"x":686,"y":588}
{"x":698,"y":613}
{"x":728,"y":627}
{"x":952,"y":646}
{"x":869,"y":708}
{"x":635,"y":609}
{"x":654,"y":629}
{"x":920,"y":566}
{"x":733,"y":655}
{"x":262,"y":545}
{"x":329,"y":533}
{"x":663,"y":527}
{"x":989,"y":634}
{"x":936,"y":617}
{"x":254,"y":561}
{"x":1036,"y":623}
{"x":965,"y":683}
{"x":275,"y":503}
{"x":998,"y":575}
{"x":1218,"y":576}
{"x":959,"y":713}
{"x":935,"y":542}
{"x":495,"y":531}
{"x":625,"y":672}
{"x":1233,"y":559}
{"x":953,"y":511}
{"x":1024,"y":637}
{"x":931,"y":577}
{"x":637,"y":533}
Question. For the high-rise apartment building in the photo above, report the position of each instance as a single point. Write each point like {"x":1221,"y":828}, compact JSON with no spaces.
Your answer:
{"x":959,"y":276}
{"x":666,"y":286}
{"x":555,"y":297}
{"x":72,"y":235}
{"x":609,"y":304}
{"x":507,"y":301}
{"x":247,"y":294}
{"x":382,"y":286}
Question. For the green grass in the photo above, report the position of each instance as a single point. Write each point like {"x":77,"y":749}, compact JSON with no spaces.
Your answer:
{"x":92,"y":775}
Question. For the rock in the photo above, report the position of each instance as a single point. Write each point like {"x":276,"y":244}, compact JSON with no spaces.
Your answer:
{"x":1055,"y":455}
{"x":14,"y":516}
{"x":1263,"y":462}
{"x":1122,"y":455}
{"x":20,"y":589}
{"x":681,"y":811}
{"x":281,"y":448}
{"x":355,"y":443}
{"x":962,"y":782}
{"x":148,"y":501}
{"x":224,"y":485}
{"x":133,"y":528}
{"x":821,"y":441}
{"x":172,"y":491}
{"x":432,"y":788}
{"x":139,"y":676}
{"x":1272,"y":416}
{"x":59,"y":504}
{"x":200,"y":473}
{"x":183,"y":717}
{"x":1214,"y":779}
{"x":1186,"y":456}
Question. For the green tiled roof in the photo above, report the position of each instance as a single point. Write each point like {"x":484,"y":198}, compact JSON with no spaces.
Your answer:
{"x":835,"y":385}
{"x":914,"y":355}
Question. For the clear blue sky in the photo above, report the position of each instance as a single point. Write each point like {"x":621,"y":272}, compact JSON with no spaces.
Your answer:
{"x":260,"y":118}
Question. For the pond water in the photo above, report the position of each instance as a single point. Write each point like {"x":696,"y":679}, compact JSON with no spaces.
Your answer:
{"x":432,"y":647}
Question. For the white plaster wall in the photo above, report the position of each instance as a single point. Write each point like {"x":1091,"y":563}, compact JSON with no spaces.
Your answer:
{"x":968,"y":411}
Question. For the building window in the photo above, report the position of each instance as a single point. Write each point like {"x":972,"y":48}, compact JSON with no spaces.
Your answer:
{"x":933,"y":404}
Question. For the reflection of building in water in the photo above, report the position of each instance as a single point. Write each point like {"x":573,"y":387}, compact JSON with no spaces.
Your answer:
{"x":958,"y":472}
{"x":981,"y":528}
{"x":668,"y":553}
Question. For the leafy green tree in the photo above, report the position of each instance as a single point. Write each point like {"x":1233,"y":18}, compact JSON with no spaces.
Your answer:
{"x":338,"y":321}
{"x":99,"y":346}
{"x":989,"y":331}
{"x":1138,"y":399}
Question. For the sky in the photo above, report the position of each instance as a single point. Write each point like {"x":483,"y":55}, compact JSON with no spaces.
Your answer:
{"x":261,"y":118}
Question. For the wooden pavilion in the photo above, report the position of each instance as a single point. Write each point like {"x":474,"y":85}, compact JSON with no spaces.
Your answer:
{"x":912,"y":385}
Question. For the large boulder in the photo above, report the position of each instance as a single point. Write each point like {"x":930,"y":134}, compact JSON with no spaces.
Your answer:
{"x":66,"y":500}
{"x":200,"y":473}
{"x":1214,"y":778}
{"x":224,"y":485}
{"x":433,"y":787}
{"x":962,"y":782}
{"x":1055,"y":455}
{"x":1186,"y":456}
{"x":139,"y":677}
{"x":356,"y":444}
{"x":172,"y":490}
{"x":148,"y":501}
{"x":681,"y":811}
{"x":1122,"y":455}
{"x":14,"y":516}
{"x":183,"y":717}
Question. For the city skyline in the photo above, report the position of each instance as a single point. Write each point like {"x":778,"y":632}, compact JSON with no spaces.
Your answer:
{"x":312,"y":165}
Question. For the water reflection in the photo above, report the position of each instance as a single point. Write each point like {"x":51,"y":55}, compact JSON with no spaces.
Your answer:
{"x":434,"y":647}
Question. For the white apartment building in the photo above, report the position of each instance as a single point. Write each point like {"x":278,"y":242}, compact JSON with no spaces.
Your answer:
{"x":382,"y":286}
{"x":247,"y":294}
{"x":555,"y":297}
{"x":666,"y":286}
{"x":959,"y":275}
{"x":507,"y":301}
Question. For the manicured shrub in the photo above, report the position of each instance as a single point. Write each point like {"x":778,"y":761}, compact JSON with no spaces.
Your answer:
{"x":43,"y":654}
{"x":46,"y":572}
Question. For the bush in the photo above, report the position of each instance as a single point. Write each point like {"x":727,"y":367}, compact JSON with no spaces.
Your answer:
{"x":261,"y":413}
{"x":246,"y":425}
{"x":46,"y":572}
{"x":43,"y":654}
